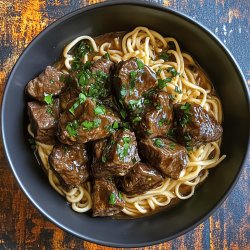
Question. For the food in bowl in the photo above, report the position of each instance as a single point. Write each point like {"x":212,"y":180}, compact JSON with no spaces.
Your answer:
{"x":125,"y":123}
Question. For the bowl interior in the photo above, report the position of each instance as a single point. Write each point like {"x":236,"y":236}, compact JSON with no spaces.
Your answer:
{"x":97,"y":20}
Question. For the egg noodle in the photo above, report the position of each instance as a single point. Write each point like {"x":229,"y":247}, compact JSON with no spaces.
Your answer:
{"x":147,"y":44}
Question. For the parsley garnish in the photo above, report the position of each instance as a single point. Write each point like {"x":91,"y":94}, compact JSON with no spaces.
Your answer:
{"x":91,"y":124}
{"x":185,"y":119}
{"x":123,"y":113}
{"x":162,"y":121}
{"x":49,"y":110}
{"x":107,"y":56}
{"x":100,"y":110}
{"x":115,"y":125}
{"x":162,"y":83}
{"x":72,"y":128}
{"x":177,"y":90}
{"x":123,"y":92}
{"x":172,"y":146}
{"x":104,"y":159}
{"x":112,"y":199}
{"x":133,"y":76}
{"x":48,"y":98}
{"x":164,"y":56}
{"x":136,"y":119}
{"x":158,"y":143}
{"x":140,"y":64}
{"x":173,"y":71}
{"x":81,"y":99}
{"x":120,"y":195}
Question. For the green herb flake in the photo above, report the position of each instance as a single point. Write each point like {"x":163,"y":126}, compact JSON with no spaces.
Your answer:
{"x":115,"y":125}
{"x":158,"y":72}
{"x":164,"y":56}
{"x":158,"y":106}
{"x":133,"y":77}
{"x":107,"y":56}
{"x":72,"y":128}
{"x":104,"y":159}
{"x":81,"y":99}
{"x":162,"y":83}
{"x":162,"y":121}
{"x":126,"y":139}
{"x":112,"y":199}
{"x":159,"y":143}
{"x":48,"y":99}
{"x":136,"y":119}
{"x":91,"y":124}
{"x":140,"y":64}
{"x":173,"y":71}
{"x":123,"y":92}
{"x":177,"y":90}
{"x":123,"y":113}
{"x":120,"y":195}
{"x":52,"y":81}
{"x":172,"y":146}
{"x":49,"y":110}
{"x":100,"y":110}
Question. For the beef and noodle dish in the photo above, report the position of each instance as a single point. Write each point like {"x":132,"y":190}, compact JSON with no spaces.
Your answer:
{"x":124,"y":123}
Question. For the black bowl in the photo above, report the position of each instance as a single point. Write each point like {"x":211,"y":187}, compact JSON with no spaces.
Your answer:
{"x":117,"y":16}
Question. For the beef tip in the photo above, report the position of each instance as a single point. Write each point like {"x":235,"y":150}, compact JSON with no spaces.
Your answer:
{"x":140,"y":179}
{"x":69,"y":96}
{"x":194,"y":125}
{"x":49,"y":82}
{"x":107,"y":201}
{"x":43,"y":120}
{"x":119,"y":154}
{"x":103,"y":65}
{"x":132,"y":79}
{"x":168,"y":157}
{"x":70,"y":164}
{"x":111,"y":102}
{"x":88,"y":121}
{"x":156,"y":119}
{"x":93,"y":78}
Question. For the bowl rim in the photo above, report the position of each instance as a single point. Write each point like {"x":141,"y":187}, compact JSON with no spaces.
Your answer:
{"x":154,"y":6}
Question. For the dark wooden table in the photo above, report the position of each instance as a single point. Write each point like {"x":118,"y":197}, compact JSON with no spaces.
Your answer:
{"x":22,"y":226}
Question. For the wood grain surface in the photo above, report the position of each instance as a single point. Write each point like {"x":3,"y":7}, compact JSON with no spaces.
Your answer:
{"x":22,"y":226}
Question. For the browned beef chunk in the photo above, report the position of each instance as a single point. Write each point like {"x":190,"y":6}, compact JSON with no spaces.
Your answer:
{"x":107,"y":200}
{"x":103,"y":65}
{"x":194,"y":125}
{"x":132,"y":79}
{"x":69,"y":96}
{"x":92,"y":81}
{"x":168,"y":157}
{"x":140,"y":179}
{"x":156,"y":119}
{"x":70,"y":164}
{"x":43,"y":119}
{"x":89,"y":121}
{"x":118,"y":155}
{"x":47,"y":83}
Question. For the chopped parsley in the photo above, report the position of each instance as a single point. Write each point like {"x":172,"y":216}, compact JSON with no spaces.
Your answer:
{"x":123,"y":113}
{"x":133,"y":77}
{"x":162,"y":83}
{"x":107,"y":56}
{"x":164,"y":56}
{"x":158,"y":106}
{"x":112,"y":199}
{"x":49,"y":110}
{"x":48,"y":98}
{"x":136,"y":119}
{"x":100,"y":110}
{"x":173,"y":71}
{"x":104,"y":159}
{"x":91,"y":124}
{"x":158,"y":72}
{"x":158,"y":143}
{"x":172,"y":146}
{"x":52,"y":81}
{"x":72,"y":128}
{"x":162,"y":121}
{"x":115,"y":125}
{"x":140,"y":64}
{"x":177,"y":90}
{"x":120,"y":195}
{"x":81,"y":99}
{"x":186,"y":117}
{"x":171,"y":134}
{"x":123,"y":92}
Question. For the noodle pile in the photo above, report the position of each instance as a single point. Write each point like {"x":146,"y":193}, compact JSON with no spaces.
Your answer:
{"x":147,"y":45}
